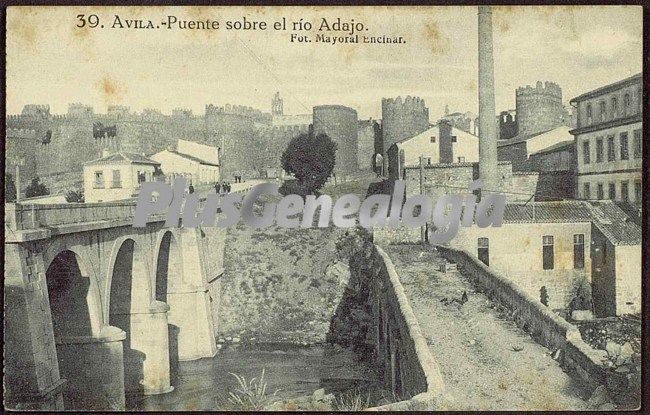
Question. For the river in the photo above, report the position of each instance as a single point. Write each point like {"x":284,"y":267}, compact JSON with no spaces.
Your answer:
{"x":294,"y":371}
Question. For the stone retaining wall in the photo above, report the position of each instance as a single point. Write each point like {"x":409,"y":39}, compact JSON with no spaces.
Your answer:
{"x":401,"y":350}
{"x":546,"y":327}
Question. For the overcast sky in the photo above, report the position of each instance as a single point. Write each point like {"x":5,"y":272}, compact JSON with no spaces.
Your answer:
{"x":50,"y":61}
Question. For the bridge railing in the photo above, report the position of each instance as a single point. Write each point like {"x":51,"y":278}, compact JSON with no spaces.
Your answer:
{"x":34,"y":216}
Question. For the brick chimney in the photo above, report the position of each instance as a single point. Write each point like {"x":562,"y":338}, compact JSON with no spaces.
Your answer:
{"x":446,"y":148}
{"x":488,"y":171}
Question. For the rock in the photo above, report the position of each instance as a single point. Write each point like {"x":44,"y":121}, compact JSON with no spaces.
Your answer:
{"x":236,"y":340}
{"x":557,"y":354}
{"x":599,"y":397}
{"x":581,"y":315}
{"x":626,"y":351}
{"x":319,"y":394}
{"x":622,"y":369}
{"x":613,"y":349}
{"x":228,"y":338}
{"x":472,"y":342}
{"x":607,"y":407}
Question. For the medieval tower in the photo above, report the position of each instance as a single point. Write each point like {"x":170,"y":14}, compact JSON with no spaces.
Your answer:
{"x":402,"y":119}
{"x":539,"y":108}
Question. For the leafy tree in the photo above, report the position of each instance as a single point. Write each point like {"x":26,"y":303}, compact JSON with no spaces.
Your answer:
{"x":74,"y":196}
{"x":310,"y":159}
{"x":36,"y":188}
{"x":10,"y":188}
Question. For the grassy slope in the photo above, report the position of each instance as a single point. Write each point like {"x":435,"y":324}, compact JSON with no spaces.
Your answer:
{"x":274,"y":286}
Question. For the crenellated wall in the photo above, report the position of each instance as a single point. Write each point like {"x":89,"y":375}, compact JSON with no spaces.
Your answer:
{"x":402,"y":118}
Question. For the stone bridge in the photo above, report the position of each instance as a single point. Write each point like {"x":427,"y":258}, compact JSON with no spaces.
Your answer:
{"x":96,"y":309}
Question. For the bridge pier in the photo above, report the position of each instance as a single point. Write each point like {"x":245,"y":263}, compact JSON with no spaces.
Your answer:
{"x":189,"y":313}
{"x":94,"y":366}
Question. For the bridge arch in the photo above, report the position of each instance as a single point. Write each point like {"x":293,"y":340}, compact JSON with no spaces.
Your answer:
{"x":87,"y":350}
{"x":177,"y":267}
{"x":131,"y":307}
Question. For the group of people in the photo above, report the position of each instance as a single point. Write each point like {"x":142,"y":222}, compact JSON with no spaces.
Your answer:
{"x":222,"y":187}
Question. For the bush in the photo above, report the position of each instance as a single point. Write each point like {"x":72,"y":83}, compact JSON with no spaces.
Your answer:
{"x":10,"y":188}
{"x":74,"y":196}
{"x":310,"y":159}
{"x":249,"y":395}
{"x":36,"y":188}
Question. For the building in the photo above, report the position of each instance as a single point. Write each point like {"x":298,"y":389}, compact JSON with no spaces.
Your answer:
{"x":462,"y":121}
{"x":519,"y":150}
{"x":196,"y":162}
{"x":117,"y":176}
{"x":608,"y":140}
{"x":578,"y":253}
{"x":401,"y":119}
{"x":439,"y":144}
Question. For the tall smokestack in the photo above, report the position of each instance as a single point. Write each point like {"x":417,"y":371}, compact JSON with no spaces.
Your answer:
{"x":487,"y":149}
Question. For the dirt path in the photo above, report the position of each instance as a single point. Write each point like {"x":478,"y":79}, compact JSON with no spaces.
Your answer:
{"x":487,"y":362}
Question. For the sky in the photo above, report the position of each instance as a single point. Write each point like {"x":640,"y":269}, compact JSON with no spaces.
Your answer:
{"x":51,"y":61}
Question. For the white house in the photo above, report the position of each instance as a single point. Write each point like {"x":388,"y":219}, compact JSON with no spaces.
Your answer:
{"x":196,"y":162}
{"x":441,"y":143}
{"x":116,"y":176}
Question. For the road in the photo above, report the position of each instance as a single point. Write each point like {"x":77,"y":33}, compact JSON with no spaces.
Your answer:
{"x":488,"y":363}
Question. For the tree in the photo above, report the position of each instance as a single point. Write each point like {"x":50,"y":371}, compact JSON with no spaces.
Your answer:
{"x":74,"y":196}
{"x":310,"y":159}
{"x":10,"y":188}
{"x":36,"y":188}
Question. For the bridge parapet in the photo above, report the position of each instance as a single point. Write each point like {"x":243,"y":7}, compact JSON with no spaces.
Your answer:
{"x":35,"y":216}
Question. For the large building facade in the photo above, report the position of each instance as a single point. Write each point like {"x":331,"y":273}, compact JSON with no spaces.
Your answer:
{"x":609,"y":142}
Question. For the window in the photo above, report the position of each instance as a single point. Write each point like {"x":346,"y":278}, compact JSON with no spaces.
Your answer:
{"x":433,"y":139}
{"x":586,"y":192}
{"x":600,"y":193}
{"x":117,"y":180}
{"x":454,"y":139}
{"x":547,"y":252}
{"x":624,"y":148}
{"x":99,"y":180}
{"x":578,"y":251}
{"x":614,"y":107}
{"x":429,"y":161}
{"x":484,"y":250}
{"x":626,"y":104}
{"x":637,"y":192}
{"x":602,"y":110}
{"x":612,"y":191}
{"x":589,"y":114}
{"x":611,"y":151}
{"x":141,"y":177}
{"x":624,"y":191}
{"x":637,"y":144}
{"x":461,"y":159}
{"x":599,"y":150}
{"x":586,"y":156}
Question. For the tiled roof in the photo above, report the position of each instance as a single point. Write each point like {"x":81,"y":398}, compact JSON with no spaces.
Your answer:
{"x":187,"y":156}
{"x":615,"y":224}
{"x":555,"y":147}
{"x":610,"y":219}
{"x":607,"y":88}
{"x":543,"y":212}
{"x":121,"y":158}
